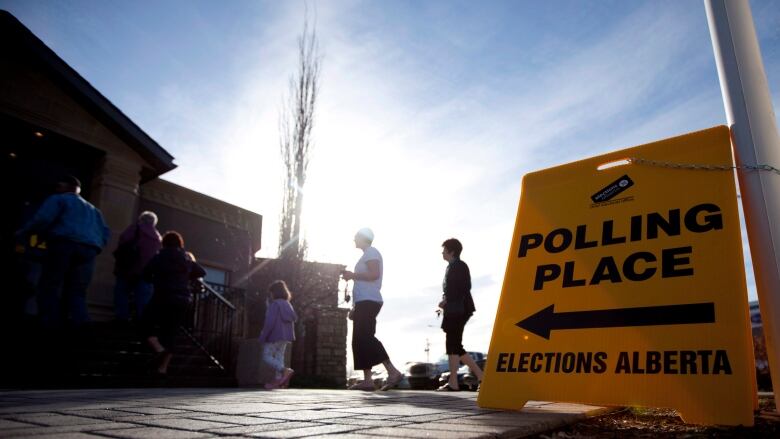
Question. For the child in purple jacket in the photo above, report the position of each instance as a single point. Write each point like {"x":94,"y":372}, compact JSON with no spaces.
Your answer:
{"x":278,"y":332}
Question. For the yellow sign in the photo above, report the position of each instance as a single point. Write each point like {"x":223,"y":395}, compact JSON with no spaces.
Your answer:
{"x":625,"y":285}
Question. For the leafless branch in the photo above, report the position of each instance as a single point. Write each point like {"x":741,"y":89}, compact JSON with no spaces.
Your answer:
{"x":296,"y":121}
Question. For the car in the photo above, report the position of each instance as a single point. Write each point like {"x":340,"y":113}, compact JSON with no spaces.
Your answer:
{"x":470,"y":380}
{"x":404,"y":383}
{"x":759,"y":348}
{"x":443,"y":364}
{"x":422,"y":376}
{"x":379,"y":377}
{"x":466,"y":380}
{"x":426,"y":376}
{"x":462,"y":371}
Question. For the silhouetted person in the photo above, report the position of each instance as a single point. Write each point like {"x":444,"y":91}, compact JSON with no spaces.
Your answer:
{"x":278,"y":332}
{"x":367,"y":350}
{"x":170,"y":271}
{"x":458,"y":306}
{"x":25,"y":272}
{"x":137,"y":246}
{"x":75,"y":233}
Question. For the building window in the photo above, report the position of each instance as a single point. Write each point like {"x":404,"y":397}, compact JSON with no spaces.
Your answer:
{"x":216,"y":276}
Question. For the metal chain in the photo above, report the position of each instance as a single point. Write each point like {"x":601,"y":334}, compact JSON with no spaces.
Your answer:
{"x":701,"y":166}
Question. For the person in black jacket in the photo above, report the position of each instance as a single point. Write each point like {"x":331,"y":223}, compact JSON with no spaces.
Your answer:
{"x":458,"y":306}
{"x":170,"y":271}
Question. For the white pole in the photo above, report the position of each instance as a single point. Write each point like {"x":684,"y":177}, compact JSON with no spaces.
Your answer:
{"x":756,"y":142}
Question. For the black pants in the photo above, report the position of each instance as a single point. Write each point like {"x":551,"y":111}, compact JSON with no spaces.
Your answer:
{"x":62,"y":290}
{"x":163,"y":316}
{"x":453,"y":329}
{"x":367,"y":350}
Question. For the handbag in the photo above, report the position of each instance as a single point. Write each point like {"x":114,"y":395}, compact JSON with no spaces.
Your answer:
{"x":126,"y":254}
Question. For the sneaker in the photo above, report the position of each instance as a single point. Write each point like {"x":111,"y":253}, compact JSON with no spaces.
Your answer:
{"x":285,"y":380}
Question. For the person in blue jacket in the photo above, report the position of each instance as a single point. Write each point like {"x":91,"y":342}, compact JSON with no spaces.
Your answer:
{"x":278,"y":332}
{"x":75,"y":233}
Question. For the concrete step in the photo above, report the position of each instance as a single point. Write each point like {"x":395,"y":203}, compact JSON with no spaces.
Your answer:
{"x":107,"y":355}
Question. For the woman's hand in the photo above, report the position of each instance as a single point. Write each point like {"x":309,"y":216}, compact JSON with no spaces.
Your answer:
{"x":347,"y":275}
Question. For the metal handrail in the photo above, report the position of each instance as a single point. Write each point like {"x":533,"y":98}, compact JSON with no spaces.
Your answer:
{"x":214,"y":292}
{"x":211,"y":323}
{"x":189,"y":333}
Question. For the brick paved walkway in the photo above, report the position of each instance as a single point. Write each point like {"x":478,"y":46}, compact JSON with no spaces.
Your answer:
{"x":200,"y":413}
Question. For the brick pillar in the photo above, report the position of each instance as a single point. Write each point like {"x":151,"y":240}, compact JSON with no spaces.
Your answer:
{"x":332,"y":346}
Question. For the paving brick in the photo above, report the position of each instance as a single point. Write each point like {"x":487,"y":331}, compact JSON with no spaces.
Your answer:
{"x":356,"y":435}
{"x":306,"y":415}
{"x":436,"y":417}
{"x":251,"y":429}
{"x":234,"y":419}
{"x":98,"y":413}
{"x":143,"y":419}
{"x":319,"y":406}
{"x":75,"y":435}
{"x":155,"y":433}
{"x":150,"y":410}
{"x":186,"y":424}
{"x":7,"y":423}
{"x":380,"y":417}
{"x":392,"y":410}
{"x":309,"y":431}
{"x":91,"y":405}
{"x":56,"y":419}
{"x":367,"y":422}
{"x":35,"y":408}
{"x":417,"y":432}
{"x":39,"y":431}
{"x":243,"y":409}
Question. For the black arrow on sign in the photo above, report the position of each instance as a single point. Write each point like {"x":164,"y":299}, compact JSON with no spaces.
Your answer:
{"x":548,"y":320}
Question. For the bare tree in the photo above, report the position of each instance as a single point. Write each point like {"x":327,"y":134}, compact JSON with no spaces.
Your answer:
{"x":296,"y":120}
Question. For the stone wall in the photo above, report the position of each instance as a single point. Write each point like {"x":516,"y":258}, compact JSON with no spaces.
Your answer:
{"x":331,"y":347}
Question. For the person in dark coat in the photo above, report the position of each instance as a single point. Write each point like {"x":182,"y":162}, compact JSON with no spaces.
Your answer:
{"x":170,"y":271}
{"x":458,"y":307}
{"x":137,"y":246}
{"x":75,"y":233}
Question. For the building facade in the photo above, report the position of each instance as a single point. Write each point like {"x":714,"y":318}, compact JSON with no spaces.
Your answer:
{"x":54,"y":122}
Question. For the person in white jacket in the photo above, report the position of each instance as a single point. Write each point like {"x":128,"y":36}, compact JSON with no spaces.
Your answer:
{"x":367,"y":350}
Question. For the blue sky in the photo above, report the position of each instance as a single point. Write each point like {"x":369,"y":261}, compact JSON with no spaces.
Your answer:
{"x":430,"y":112}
